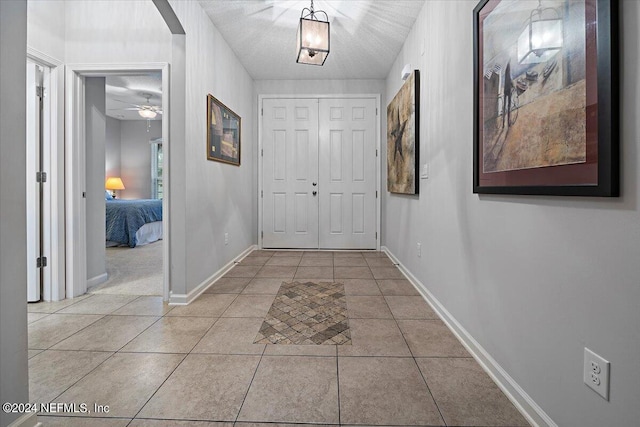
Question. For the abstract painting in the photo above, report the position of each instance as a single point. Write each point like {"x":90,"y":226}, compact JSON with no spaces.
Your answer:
{"x":223,"y":133}
{"x":403,"y":118}
{"x":537,"y":97}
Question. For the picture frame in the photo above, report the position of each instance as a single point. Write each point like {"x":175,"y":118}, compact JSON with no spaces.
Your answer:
{"x":403,"y":138}
{"x":224,"y":131}
{"x":546,"y":98}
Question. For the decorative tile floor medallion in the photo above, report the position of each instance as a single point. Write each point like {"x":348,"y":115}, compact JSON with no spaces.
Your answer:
{"x":307,"y":313}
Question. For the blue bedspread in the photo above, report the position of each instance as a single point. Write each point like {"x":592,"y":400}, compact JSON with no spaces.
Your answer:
{"x":125,"y":217}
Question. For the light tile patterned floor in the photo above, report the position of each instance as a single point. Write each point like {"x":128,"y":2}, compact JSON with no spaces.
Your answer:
{"x":307,"y":313}
{"x":198,"y":366}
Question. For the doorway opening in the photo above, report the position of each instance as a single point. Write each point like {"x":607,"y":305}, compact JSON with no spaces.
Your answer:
{"x":118,"y":132}
{"x":126,"y":258}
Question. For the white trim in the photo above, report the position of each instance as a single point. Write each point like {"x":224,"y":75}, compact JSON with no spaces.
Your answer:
{"x":75,"y":167}
{"x":262,"y":97}
{"x":166,"y":176}
{"x":55,"y":281}
{"x":378,"y":174}
{"x":185,"y":299}
{"x":43,"y":58}
{"x":97,"y":280}
{"x":260,"y":231}
{"x":534,"y":414}
{"x":27,"y":420}
{"x":75,"y":218}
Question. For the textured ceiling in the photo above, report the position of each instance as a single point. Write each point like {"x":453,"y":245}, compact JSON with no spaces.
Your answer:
{"x":124,"y":92}
{"x":366,"y":35}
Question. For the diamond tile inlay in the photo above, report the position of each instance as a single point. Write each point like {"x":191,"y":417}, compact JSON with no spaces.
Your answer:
{"x":307,"y":313}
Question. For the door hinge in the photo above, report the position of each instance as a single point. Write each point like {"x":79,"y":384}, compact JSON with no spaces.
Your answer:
{"x":262,"y":152}
{"x":262,"y":111}
{"x":84,"y":194}
{"x":41,"y":177}
{"x":39,"y":91}
{"x":262,"y":234}
{"x":261,"y":193}
{"x":376,"y":235}
{"x":41,"y":262}
{"x":376,"y":194}
{"x":376,"y":111}
{"x":376,"y":152}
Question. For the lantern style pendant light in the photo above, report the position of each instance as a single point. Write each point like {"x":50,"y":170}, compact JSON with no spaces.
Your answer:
{"x":542,"y":37}
{"x":313,"y":37}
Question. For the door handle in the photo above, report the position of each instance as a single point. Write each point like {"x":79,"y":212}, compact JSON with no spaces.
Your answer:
{"x":314,"y":193}
{"x":314,"y":184}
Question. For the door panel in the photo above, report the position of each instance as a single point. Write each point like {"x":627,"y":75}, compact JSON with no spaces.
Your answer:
{"x":290,"y":168}
{"x":34,"y":188}
{"x":347,"y":186}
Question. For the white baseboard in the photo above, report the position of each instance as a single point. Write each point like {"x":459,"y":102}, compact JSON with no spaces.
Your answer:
{"x":27,"y":420}
{"x":185,"y":299}
{"x":520,"y":399}
{"x":97,"y":280}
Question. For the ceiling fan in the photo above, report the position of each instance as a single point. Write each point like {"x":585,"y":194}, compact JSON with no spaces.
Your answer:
{"x":146,"y":110}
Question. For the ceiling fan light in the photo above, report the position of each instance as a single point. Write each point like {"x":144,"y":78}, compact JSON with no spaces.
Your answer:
{"x":147,"y":114}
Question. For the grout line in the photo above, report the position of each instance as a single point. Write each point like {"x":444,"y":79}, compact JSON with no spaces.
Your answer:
{"x":160,"y":386}
{"x":102,"y":316}
{"x":204,"y":335}
{"x":415,"y":362}
{"x":250,"y":384}
{"x":61,"y":308}
{"x":80,"y":379}
{"x":338,"y":382}
{"x":141,"y":332}
{"x":133,"y":300}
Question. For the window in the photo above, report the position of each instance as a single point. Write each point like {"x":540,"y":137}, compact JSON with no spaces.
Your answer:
{"x":156,"y":169}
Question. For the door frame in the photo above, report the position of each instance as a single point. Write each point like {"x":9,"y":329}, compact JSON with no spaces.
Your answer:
{"x":75,"y":178}
{"x":262,"y":97}
{"x":53,"y":124}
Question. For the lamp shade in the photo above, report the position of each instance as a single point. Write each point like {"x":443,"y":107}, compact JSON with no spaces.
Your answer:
{"x":147,"y":114}
{"x":312,"y":41}
{"x":114,"y":183}
{"x":540,"y":41}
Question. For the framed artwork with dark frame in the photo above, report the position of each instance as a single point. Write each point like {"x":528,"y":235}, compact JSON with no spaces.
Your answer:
{"x":403,"y":134}
{"x":223,"y":132}
{"x":546,"y":98}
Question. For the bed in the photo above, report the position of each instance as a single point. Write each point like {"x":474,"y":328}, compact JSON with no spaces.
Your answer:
{"x":133,"y":222}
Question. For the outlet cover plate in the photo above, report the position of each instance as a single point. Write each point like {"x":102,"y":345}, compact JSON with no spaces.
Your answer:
{"x":596,"y":373}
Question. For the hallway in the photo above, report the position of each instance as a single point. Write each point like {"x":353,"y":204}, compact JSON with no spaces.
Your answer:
{"x":198,"y":363}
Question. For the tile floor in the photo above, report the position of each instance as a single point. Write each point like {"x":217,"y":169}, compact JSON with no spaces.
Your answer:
{"x":197,"y":365}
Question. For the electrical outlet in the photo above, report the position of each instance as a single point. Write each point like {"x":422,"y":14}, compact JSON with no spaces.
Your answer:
{"x":596,"y":373}
{"x":226,"y":238}
{"x":419,"y":250}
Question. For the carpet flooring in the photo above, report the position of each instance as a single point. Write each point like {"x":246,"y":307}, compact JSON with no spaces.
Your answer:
{"x":133,"y":271}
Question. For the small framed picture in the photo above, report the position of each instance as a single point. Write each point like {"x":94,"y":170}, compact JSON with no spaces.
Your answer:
{"x":223,"y":132}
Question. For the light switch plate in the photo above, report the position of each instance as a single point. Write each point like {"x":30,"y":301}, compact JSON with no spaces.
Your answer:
{"x":425,"y":171}
{"x":596,"y":373}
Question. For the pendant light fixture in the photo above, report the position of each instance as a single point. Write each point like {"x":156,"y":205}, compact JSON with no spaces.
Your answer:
{"x":542,"y":37}
{"x":313,"y":37}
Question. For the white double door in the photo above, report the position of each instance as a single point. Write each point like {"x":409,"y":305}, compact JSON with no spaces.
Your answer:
{"x":319,"y":173}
